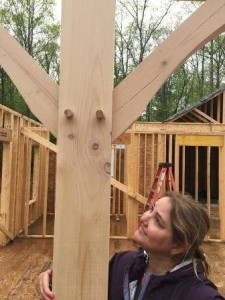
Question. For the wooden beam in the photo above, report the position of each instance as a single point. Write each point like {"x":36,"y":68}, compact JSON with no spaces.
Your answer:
{"x":133,"y":94}
{"x":193,"y":140}
{"x":40,"y":140}
{"x":37,"y":88}
{"x":208,"y":172}
{"x":201,"y":113}
{"x":124,"y":188}
{"x":81,"y":243}
{"x":5,"y":135}
{"x":132,"y":181}
{"x":222,"y":191}
{"x":179,"y":128}
{"x":223,"y":107}
{"x":198,"y":117}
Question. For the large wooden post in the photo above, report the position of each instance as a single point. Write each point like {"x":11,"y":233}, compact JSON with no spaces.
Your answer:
{"x":81,"y":244}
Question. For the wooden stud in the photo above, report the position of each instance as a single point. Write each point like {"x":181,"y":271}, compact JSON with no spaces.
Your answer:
{"x":153,"y":157}
{"x":183,"y":170}
{"x":208,"y":180}
{"x":114,"y":189}
{"x":218,"y":109}
{"x":223,"y":107}
{"x":205,"y":117}
{"x":211,"y":107}
{"x":196,"y":172}
{"x":177,"y":162}
{"x":145,"y":161}
{"x":170,"y":148}
{"x":132,"y":183}
{"x":222,"y":191}
{"x":6,"y":183}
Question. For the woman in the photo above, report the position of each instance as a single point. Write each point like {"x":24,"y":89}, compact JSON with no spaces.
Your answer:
{"x":170,"y":264}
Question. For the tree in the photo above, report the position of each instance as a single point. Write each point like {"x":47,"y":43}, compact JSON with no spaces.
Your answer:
{"x":138,"y":31}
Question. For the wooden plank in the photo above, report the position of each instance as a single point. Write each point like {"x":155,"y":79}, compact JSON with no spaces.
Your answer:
{"x":45,"y":191}
{"x":153,"y":157}
{"x":196,"y":172}
{"x":178,"y":128}
{"x":40,"y":140}
{"x":35,"y":85}
{"x":27,"y":173}
{"x":81,"y":244}
{"x":5,"y":135}
{"x":208,"y":180}
{"x":36,"y":180}
{"x":223,"y":107}
{"x":19,"y":208}
{"x":198,"y":118}
{"x":6,"y":183}
{"x":177,"y":163}
{"x":206,"y":116}
{"x":134,"y":92}
{"x":145,"y":161}
{"x":132,"y":183}
{"x":200,"y":140}
{"x":14,"y":165}
{"x":222,"y":192}
{"x":170,"y":148}
{"x":218,"y":108}
{"x":124,"y":188}
{"x":183,"y":170}
{"x":211,"y":107}
{"x":114,"y":189}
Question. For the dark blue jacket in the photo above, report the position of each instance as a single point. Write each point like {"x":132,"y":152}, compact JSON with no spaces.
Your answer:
{"x":181,"y":284}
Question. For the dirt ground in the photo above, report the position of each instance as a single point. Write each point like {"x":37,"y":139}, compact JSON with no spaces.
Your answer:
{"x":22,"y":261}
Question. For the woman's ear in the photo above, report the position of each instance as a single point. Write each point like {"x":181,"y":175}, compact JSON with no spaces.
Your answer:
{"x":177,"y":249}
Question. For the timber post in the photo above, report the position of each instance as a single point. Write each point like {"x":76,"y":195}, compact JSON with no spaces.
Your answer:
{"x":81,"y":243}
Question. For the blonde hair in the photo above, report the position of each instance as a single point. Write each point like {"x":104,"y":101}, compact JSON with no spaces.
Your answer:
{"x":190,"y":224}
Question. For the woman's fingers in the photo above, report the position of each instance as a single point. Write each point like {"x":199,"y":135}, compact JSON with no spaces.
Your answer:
{"x":43,"y":288}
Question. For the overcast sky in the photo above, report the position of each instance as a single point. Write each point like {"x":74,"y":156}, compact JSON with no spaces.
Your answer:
{"x":178,"y":7}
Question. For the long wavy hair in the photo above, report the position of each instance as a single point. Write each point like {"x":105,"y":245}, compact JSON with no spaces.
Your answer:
{"x":190,"y":224}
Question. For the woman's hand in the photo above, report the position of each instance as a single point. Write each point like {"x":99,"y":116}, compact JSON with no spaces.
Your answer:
{"x":43,"y":286}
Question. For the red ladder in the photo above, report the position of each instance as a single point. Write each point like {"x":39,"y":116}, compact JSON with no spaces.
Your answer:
{"x":164,"y":172}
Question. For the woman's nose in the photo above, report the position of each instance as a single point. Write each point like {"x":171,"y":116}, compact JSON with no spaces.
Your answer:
{"x":145,"y":217}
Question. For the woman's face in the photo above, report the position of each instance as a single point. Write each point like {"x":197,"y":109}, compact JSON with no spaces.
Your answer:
{"x":155,"y":232}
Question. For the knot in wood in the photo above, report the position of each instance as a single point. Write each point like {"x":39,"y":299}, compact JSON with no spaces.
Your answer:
{"x":95,"y":146}
{"x":69,"y":113}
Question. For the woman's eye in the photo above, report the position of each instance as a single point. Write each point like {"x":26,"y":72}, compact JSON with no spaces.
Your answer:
{"x":158,"y":222}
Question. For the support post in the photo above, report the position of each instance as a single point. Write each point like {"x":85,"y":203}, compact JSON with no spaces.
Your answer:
{"x":81,"y":244}
{"x":222,"y":191}
{"x":132,"y":183}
